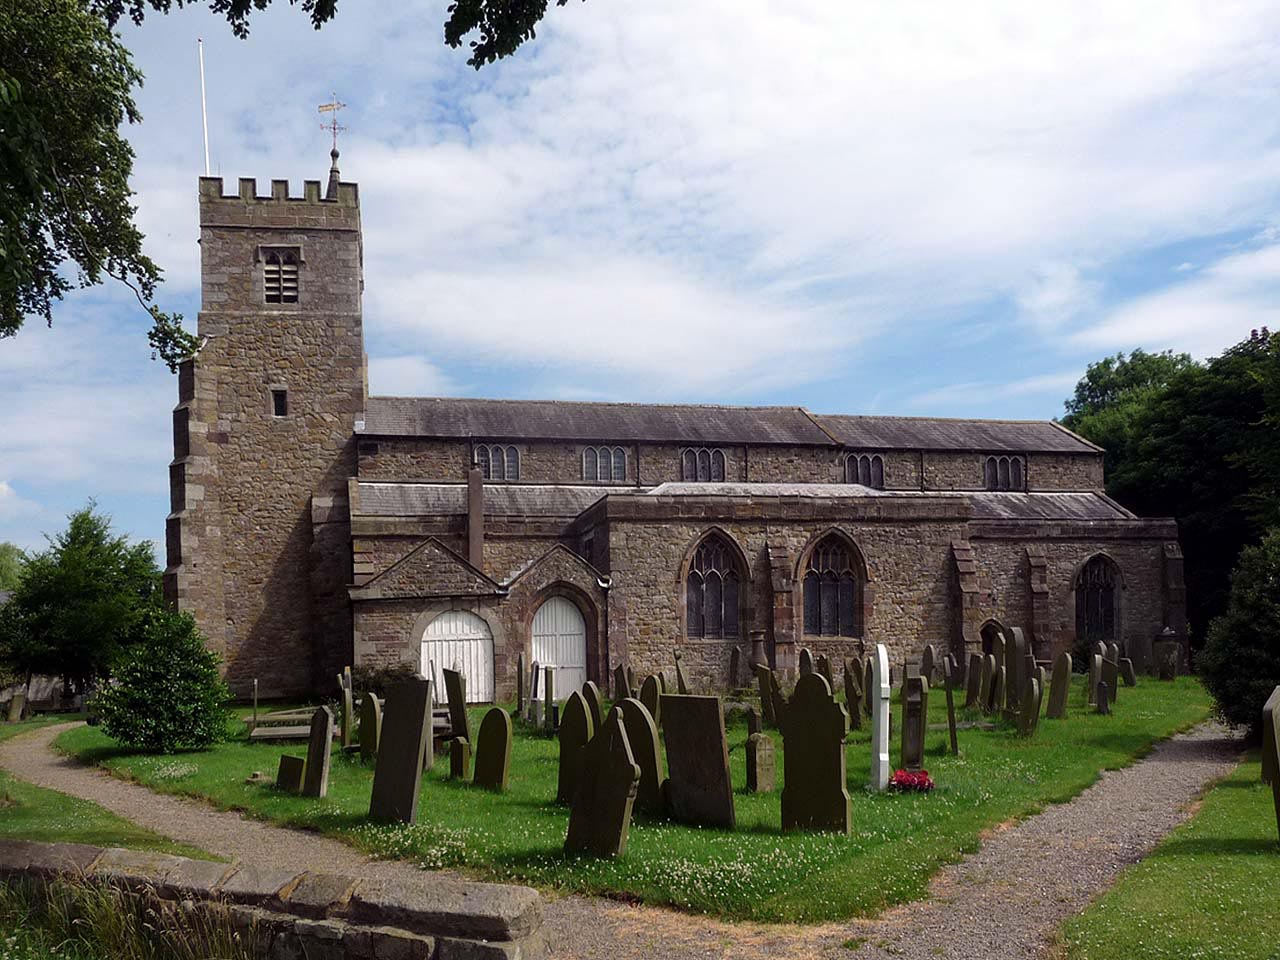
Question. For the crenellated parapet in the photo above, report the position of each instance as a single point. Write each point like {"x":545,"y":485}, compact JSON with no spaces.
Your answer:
{"x":280,"y":209}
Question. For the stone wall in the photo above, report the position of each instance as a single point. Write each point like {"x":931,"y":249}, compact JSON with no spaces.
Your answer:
{"x":411,"y":459}
{"x":288,"y":914}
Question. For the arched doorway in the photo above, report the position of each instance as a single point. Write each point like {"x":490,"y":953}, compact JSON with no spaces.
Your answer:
{"x":460,"y":640}
{"x":560,"y":641}
{"x":1097,"y":589}
{"x":991,"y":632}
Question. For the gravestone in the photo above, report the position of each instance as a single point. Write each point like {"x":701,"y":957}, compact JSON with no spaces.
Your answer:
{"x":1095,"y":677}
{"x":1060,"y":687}
{"x":631,"y":679}
{"x":735,"y":667}
{"x":779,"y":700}
{"x":1270,"y":767}
{"x":289,"y":774}
{"x":753,"y":721}
{"x":493,"y":751}
{"x":1167,"y":654}
{"x":1111,"y":675}
{"x":954,"y":669}
{"x":806,"y":661}
{"x":402,"y":746}
{"x":315,"y":782}
{"x":621,"y":684}
{"x":455,"y":691}
{"x":576,"y":731}
{"x":823,"y":666}
{"x":985,"y":677}
{"x":595,"y":705}
{"x":997,"y":649}
{"x":1275,"y":753}
{"x":853,"y":694}
{"x":370,"y":726}
{"x":915,"y":718}
{"x":1103,"y":697}
{"x":651,"y":697}
{"x":928,"y":663}
{"x":682,"y":686}
{"x":549,"y":697}
{"x":868,"y":676}
{"x":1113,"y":652}
{"x":460,"y":759}
{"x":814,"y":794}
{"x":1127,"y":672}
{"x":998,"y":684}
{"x":520,"y":679}
{"x":1015,"y":669}
{"x":642,"y":735}
{"x":1100,"y":649}
{"x":600,"y":815}
{"x":761,"y":765}
{"x":533,"y":706}
{"x":17,"y":705}
{"x":348,"y":719}
{"x":952,"y":681}
{"x":973,"y":682}
{"x":698,"y":788}
{"x":878,"y":696}
{"x":1029,"y":712}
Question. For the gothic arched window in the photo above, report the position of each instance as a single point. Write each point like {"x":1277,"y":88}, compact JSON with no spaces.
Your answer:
{"x":703,"y":465}
{"x":713,"y":591}
{"x":865,"y":469}
{"x":604,"y":465}
{"x":832,"y":591}
{"x":498,"y":462}
{"x":1096,"y":606}
{"x":1004,"y":473}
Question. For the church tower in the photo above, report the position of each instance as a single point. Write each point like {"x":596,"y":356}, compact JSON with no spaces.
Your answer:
{"x":258,"y":537}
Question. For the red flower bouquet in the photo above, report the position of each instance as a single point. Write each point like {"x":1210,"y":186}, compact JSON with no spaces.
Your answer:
{"x":906,"y":782}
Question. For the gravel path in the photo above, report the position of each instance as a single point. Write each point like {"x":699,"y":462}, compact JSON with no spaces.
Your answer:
{"x":1005,"y":901}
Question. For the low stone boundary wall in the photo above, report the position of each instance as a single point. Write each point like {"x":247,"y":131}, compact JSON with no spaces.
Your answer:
{"x":312,"y":915}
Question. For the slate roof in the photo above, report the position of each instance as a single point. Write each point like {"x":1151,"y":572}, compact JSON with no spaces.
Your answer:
{"x":375,"y":499}
{"x":691,"y":423}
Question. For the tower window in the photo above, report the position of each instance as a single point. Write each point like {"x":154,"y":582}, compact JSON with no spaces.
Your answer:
{"x":280,"y":275}
{"x":279,"y":403}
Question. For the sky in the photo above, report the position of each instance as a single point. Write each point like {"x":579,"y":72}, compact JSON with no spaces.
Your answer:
{"x":915,"y":209}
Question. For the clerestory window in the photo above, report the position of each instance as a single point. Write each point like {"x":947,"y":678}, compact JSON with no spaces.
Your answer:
{"x":497,"y":462}
{"x":866,"y":469}
{"x":703,"y":465}
{"x":604,"y":465}
{"x":1004,"y":473}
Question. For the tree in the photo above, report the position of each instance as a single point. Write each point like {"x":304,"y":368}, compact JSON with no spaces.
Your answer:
{"x":11,"y":560}
{"x":1240,"y":662}
{"x":66,"y":87}
{"x":80,"y":603}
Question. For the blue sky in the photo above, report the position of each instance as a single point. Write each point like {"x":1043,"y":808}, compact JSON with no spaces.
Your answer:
{"x":865,"y":208}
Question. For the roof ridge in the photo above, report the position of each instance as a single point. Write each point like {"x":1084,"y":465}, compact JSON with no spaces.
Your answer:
{"x":600,"y":403}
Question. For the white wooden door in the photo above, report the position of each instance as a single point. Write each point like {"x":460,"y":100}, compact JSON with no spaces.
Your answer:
{"x":560,"y":641}
{"x":459,"y":640}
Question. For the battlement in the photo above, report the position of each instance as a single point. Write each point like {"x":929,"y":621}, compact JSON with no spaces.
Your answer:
{"x":211,"y":191}
{"x":280,"y":210}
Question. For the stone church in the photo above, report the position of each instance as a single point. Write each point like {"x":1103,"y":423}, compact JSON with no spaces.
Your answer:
{"x":313,"y":525}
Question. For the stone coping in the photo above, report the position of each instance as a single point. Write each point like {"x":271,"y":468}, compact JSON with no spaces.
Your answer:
{"x":460,"y":917}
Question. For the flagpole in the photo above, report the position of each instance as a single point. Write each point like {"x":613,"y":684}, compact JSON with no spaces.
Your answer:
{"x":204,"y":112}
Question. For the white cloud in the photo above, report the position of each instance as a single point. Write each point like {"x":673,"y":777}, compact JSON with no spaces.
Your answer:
{"x":408,"y":376}
{"x":966,"y":395}
{"x":1056,"y":293}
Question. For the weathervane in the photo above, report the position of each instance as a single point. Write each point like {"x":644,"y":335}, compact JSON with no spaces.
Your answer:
{"x":332,"y":108}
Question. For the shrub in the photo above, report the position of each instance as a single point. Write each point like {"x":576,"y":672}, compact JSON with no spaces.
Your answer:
{"x":166,"y":694}
{"x":376,"y":679}
{"x":1240,"y":663}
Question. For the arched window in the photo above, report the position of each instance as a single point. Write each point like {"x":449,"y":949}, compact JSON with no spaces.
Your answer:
{"x":713,"y":591}
{"x":619,"y":465}
{"x":604,"y":465}
{"x":866,"y":469}
{"x":832,"y":591}
{"x":1096,"y":607}
{"x":1004,"y":473}
{"x":280,"y":276}
{"x":482,"y":461}
{"x":498,"y":462}
{"x":513,"y":463}
{"x":703,"y":465}
{"x":590,"y":463}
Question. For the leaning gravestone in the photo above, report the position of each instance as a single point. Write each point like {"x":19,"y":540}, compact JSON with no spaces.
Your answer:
{"x":315,"y":782}
{"x":868,"y":675}
{"x":764,"y":679}
{"x":998,"y":684}
{"x":600,"y":816}
{"x":1270,"y":751}
{"x":761,"y":765}
{"x":853,"y":694}
{"x":493,"y":751}
{"x":823,"y":666}
{"x":406,"y":737}
{"x":1167,"y":654}
{"x":1113,"y":652}
{"x":973,"y":684}
{"x":1095,"y":677}
{"x":814,"y":794}
{"x":779,"y":700}
{"x":1029,"y":713}
{"x":595,"y":704}
{"x":952,"y":681}
{"x":735,"y":667}
{"x":878,"y":696}
{"x":698,"y":788}
{"x":289,"y":774}
{"x":642,"y":735}
{"x":348,"y":719}
{"x":576,"y":731}
{"x":370,"y":726}
{"x":806,"y":661}
{"x":1060,"y":687}
{"x":1111,"y":674}
{"x":16,"y":706}
{"x":460,"y":759}
{"x":915,"y":718}
{"x":651,"y":697}
{"x":682,"y":685}
{"x":985,"y":678}
{"x":1015,"y":669}
{"x":1127,"y":673}
{"x":928,"y":662}
{"x":621,"y":684}
{"x":455,"y":689}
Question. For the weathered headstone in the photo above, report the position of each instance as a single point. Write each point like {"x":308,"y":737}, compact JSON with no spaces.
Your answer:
{"x":779,"y":700}
{"x":1100,"y":649}
{"x":1167,"y":654}
{"x":460,"y":759}
{"x":651,"y":697}
{"x":1113,"y":652}
{"x":868,"y":671}
{"x":600,"y":815}
{"x":17,"y":705}
{"x":1095,"y":677}
{"x":823,"y":666}
{"x":853,"y":693}
{"x":348,"y":719}
{"x":642,"y":735}
{"x":952,"y":682}
{"x":973,"y":684}
{"x":735,"y":667}
{"x":1111,"y":675}
{"x":370,"y":726}
{"x":1029,"y":713}
{"x":520,"y":681}
{"x":402,"y":746}
{"x":621,"y":685}
{"x":699,"y":789}
{"x":985,"y":681}
{"x":1060,"y":687}
{"x":754,"y":724}
{"x":595,"y":704}
{"x":1103,"y":697}
{"x":998,"y":649}
{"x":878,"y":695}
{"x":806,"y":661}
{"x":1015,"y":669}
{"x":928,"y":663}
{"x":1127,"y":672}
{"x":533,"y":706}
{"x":289,"y":774}
{"x":764,"y":679}
{"x":455,"y":690}
{"x":576,"y":731}
{"x":682,"y":685}
{"x":493,"y":751}
{"x":814,"y":794}
{"x":915,"y":717}
{"x":549,"y":697}
{"x":1270,"y":751}
{"x":998,"y":684}
{"x":761,"y":764}
{"x":315,"y":782}
{"x":631,"y":679}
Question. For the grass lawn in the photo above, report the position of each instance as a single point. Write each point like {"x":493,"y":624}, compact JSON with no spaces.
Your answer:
{"x":33,"y":813}
{"x":1208,"y":891}
{"x":756,"y":872}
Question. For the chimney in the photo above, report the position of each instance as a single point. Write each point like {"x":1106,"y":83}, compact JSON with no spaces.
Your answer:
{"x":475,"y":518}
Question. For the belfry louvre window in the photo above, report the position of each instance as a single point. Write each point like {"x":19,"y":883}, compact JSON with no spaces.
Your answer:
{"x":702,"y":465}
{"x":280,"y":275}
{"x":1004,"y":473}
{"x":604,"y":465}
{"x":497,"y":462}
{"x":832,"y":591}
{"x":712,"y":592}
{"x":866,"y":469}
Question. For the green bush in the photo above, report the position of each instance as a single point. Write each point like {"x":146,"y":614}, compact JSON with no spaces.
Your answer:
{"x":376,"y":680}
{"x":166,"y":693}
{"x":1240,"y":663}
